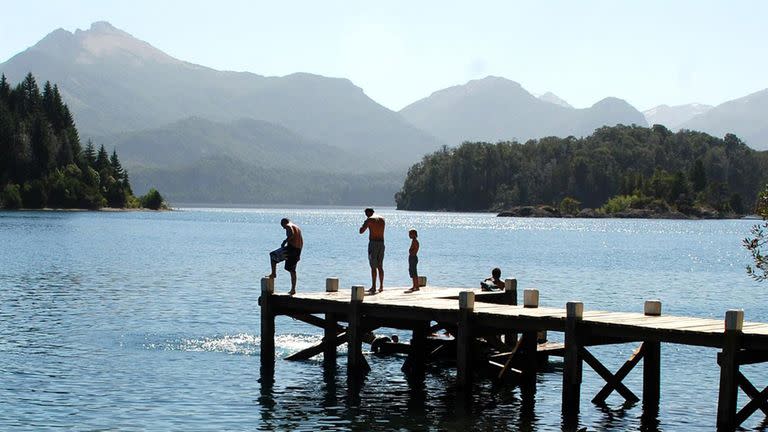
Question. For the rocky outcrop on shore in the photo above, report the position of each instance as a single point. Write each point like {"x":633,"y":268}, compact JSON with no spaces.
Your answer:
{"x":545,"y":211}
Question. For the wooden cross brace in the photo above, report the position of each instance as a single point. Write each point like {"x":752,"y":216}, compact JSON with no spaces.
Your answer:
{"x":614,"y":381}
{"x":758,"y":400}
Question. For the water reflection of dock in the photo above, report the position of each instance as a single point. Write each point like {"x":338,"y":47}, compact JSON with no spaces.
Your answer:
{"x":489,"y":333}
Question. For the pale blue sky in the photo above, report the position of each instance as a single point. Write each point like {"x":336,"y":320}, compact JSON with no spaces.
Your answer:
{"x":647,"y":52}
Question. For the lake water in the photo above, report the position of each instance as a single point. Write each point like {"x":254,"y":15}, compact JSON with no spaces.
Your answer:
{"x":149,"y":321}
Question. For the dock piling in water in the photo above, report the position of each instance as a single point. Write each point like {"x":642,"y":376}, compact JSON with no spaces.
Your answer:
{"x":729,"y":370}
{"x":572,"y":362}
{"x":651,"y":363}
{"x":267,"y":337}
{"x":330,"y":330}
{"x":464,"y":340}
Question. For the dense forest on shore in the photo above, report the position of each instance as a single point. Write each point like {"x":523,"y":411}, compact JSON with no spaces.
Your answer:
{"x":613,"y":169}
{"x":43,"y":163}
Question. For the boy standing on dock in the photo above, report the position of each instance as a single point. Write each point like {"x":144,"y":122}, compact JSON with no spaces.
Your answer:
{"x":291,"y":252}
{"x":413,"y":260}
{"x":375,"y":226}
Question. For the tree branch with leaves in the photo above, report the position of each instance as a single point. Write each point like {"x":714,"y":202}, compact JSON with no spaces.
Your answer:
{"x":758,"y":244}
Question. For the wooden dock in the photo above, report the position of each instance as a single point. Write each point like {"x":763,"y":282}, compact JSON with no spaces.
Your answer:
{"x":490,"y":331}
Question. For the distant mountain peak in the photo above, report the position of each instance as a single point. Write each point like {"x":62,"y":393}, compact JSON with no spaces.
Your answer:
{"x":555,"y":99}
{"x":101,"y":40}
{"x":492,"y":80}
{"x":104,"y":27}
{"x":611,"y":101}
{"x":674,"y":116}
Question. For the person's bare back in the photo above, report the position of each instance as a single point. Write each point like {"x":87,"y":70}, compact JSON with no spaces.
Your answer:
{"x":375,"y":225}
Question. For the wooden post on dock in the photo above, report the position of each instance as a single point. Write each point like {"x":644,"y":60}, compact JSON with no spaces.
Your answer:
{"x":572,"y":362}
{"x":331,"y":328}
{"x":529,"y":344}
{"x":418,"y":355}
{"x":267,"y":336}
{"x":354,"y":333}
{"x":651,"y":363}
{"x":510,"y":297}
{"x":464,"y":340}
{"x":729,"y":371}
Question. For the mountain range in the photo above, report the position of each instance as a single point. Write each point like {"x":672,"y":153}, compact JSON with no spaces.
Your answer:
{"x":674,"y":116}
{"x":496,"y":109}
{"x":172,"y":119}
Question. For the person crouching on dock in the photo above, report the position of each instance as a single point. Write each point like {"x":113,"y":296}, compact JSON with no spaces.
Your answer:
{"x":290,"y":251}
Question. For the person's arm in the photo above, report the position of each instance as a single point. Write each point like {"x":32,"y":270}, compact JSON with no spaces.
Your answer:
{"x":364,"y":227}
{"x":288,"y":235}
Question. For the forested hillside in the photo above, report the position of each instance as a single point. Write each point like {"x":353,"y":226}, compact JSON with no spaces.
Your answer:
{"x":42,"y":163}
{"x":683,"y":170}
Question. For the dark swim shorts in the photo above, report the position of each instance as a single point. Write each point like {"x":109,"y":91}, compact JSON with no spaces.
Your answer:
{"x":292,"y":257}
{"x":412,"y":261}
{"x":376,"y":253}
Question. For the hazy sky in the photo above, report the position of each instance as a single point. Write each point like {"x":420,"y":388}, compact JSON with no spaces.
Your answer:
{"x":647,"y":52}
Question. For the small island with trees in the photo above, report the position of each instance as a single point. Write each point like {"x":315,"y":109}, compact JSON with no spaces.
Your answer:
{"x":43,"y":164}
{"x":619,"y":171}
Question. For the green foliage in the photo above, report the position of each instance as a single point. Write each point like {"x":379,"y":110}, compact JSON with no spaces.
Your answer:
{"x":569,"y":206}
{"x":757,"y":244}
{"x":681,"y":169}
{"x":11,"y":197}
{"x":40,"y":149}
{"x":34,"y":194}
{"x":618,"y":204}
{"x":152,"y":200}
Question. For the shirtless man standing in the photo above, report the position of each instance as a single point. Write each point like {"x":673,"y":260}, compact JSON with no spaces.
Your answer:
{"x":375,"y":226}
{"x":293,"y":243}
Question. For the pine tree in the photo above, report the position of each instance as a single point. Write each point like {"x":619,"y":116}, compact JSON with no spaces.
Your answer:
{"x":117,"y":169}
{"x":90,"y":155}
{"x":102,"y":160}
{"x":5,"y":88}
{"x":698,"y":176}
{"x":30,"y":95}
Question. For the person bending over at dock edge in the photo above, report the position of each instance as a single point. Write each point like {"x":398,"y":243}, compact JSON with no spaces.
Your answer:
{"x":493,"y":282}
{"x":375,"y":226}
{"x":291,"y":251}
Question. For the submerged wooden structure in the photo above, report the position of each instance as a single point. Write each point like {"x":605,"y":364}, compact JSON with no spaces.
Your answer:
{"x":491,"y":331}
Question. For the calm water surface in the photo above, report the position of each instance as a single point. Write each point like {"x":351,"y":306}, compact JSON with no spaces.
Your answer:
{"x":149,"y":321}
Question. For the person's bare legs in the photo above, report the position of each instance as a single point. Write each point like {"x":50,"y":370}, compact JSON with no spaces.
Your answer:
{"x":372,"y":289}
{"x":293,"y":283}
{"x":381,"y":279}
{"x":274,"y":270}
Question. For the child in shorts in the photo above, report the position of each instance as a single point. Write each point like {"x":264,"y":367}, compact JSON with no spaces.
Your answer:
{"x":413,"y":260}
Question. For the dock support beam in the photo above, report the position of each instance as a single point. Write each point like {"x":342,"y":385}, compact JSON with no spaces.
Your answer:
{"x":729,"y":371}
{"x":330,"y":329}
{"x":529,"y":345}
{"x":464,"y":340}
{"x":572,"y":365}
{"x":651,"y":364}
{"x":510,"y":297}
{"x":267,"y":344}
{"x":417,"y":359}
{"x":355,"y":361}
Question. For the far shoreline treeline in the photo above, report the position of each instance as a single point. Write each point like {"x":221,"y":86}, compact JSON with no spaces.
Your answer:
{"x":43,"y":165}
{"x":622,"y":171}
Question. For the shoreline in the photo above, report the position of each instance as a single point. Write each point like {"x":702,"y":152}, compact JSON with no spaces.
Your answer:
{"x":546,"y":211}
{"x":77,"y":210}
